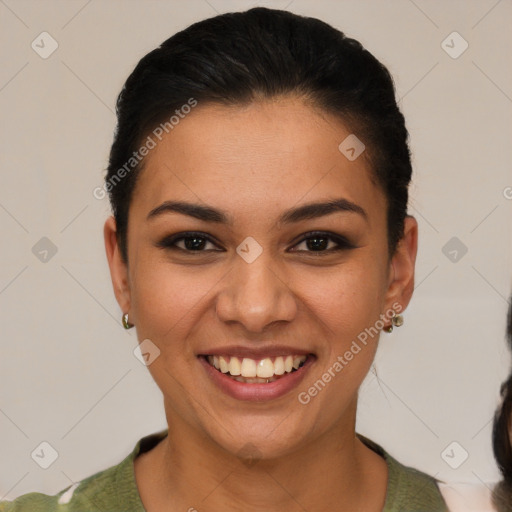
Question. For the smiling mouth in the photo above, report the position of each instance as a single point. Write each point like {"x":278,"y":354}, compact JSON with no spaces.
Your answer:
{"x":253,"y":371}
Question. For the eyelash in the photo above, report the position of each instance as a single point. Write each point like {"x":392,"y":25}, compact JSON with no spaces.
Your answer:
{"x":170,"y":242}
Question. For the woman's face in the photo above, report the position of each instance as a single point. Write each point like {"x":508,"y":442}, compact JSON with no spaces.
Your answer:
{"x":258,"y":284}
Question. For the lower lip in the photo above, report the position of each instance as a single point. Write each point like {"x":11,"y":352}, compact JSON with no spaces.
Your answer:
{"x":257,"y":392}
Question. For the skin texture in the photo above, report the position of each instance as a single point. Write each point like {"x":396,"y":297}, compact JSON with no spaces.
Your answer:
{"x":255,"y":162}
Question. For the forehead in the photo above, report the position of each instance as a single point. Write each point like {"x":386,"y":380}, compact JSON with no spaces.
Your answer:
{"x":265,"y":154}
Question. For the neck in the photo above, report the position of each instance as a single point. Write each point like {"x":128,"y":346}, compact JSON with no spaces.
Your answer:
{"x":336,"y":471}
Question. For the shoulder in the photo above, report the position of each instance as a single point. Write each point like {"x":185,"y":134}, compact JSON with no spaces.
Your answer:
{"x":111,"y":489}
{"x":90,"y":494}
{"x":33,"y":502}
{"x":408,"y":488}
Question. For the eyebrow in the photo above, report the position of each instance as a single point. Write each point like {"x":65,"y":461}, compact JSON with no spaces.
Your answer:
{"x":293,"y":215}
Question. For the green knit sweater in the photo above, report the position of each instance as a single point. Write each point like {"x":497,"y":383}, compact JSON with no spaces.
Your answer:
{"x":115,"y":489}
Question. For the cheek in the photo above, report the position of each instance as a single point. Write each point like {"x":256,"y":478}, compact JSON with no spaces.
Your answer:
{"x":349,"y":298}
{"x":169,"y":303}
{"x":348,"y":307}
{"x":166,"y":298}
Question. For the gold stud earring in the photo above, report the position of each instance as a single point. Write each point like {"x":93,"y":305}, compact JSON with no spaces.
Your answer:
{"x":396,"y":321}
{"x":126,"y":324}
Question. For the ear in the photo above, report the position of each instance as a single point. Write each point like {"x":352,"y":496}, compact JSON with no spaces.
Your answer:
{"x":401,"y":274}
{"x":118,"y":268}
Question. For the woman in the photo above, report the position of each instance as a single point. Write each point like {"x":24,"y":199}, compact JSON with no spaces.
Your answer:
{"x":260,"y":243}
{"x":502,"y":437}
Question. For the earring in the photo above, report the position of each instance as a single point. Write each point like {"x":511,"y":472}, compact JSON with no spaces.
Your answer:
{"x":126,"y":324}
{"x":396,"y":321}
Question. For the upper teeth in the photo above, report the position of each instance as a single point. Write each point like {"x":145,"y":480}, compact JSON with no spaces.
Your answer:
{"x":263,"y":368}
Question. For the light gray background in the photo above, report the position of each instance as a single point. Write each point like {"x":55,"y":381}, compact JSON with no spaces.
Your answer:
{"x":67,"y":369}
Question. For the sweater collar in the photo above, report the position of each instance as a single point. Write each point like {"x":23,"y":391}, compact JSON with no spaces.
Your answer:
{"x":127,"y":486}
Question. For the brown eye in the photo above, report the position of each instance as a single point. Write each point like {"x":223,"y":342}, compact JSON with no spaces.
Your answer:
{"x":323,"y":242}
{"x":188,"y":242}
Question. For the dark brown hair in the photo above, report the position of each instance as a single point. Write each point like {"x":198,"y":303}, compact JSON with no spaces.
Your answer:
{"x":502,"y":494}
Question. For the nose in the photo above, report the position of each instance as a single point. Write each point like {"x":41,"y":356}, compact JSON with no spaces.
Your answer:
{"x":255,"y":296}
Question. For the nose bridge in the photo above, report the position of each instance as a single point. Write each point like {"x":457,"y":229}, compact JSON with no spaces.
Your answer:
{"x":255,"y":295}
